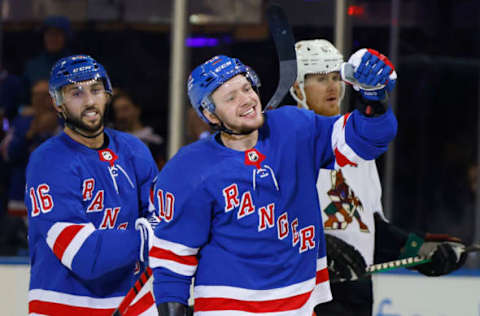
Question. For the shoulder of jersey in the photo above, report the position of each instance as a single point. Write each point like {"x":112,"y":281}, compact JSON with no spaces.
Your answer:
{"x":125,"y":139}
{"x":53,"y":150}
{"x":288,"y":116}
{"x":193,"y":156}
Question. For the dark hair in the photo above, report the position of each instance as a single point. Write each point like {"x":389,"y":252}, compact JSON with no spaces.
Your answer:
{"x":59,"y":22}
{"x":119,"y":93}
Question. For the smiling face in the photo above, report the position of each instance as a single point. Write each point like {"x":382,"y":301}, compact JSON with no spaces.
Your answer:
{"x":237,"y":105}
{"x":84,"y":105}
{"x":323,"y":93}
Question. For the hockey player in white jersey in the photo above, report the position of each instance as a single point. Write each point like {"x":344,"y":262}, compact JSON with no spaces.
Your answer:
{"x":350,"y":198}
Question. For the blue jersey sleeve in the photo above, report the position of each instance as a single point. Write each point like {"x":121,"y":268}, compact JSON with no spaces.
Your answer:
{"x":184,"y":207}
{"x":351,"y":138}
{"x":57,"y":218}
{"x":369,"y":136}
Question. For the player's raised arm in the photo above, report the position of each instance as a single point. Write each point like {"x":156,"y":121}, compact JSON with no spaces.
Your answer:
{"x":374,"y":77}
{"x":355,"y":137}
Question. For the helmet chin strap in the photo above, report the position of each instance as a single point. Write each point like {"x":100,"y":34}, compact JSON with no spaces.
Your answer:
{"x":302,"y":102}
{"x":222,"y":128}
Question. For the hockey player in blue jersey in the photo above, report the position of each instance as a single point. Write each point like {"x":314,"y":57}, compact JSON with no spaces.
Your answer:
{"x":239,"y":210}
{"x":87,"y":195}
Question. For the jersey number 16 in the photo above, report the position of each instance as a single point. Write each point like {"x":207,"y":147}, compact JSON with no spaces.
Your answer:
{"x":41,"y":200}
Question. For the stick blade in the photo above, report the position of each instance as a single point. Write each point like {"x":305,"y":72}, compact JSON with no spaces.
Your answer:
{"x":281,"y":32}
{"x":285,"y":45}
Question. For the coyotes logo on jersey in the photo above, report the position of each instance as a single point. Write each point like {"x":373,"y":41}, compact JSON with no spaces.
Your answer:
{"x":345,"y":203}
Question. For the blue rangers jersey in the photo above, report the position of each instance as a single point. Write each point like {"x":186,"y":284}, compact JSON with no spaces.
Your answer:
{"x":82,"y":206}
{"x":247,"y":225}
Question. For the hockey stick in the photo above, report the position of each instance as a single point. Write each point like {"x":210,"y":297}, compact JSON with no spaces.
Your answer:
{"x":285,"y":44}
{"x":400,"y":263}
{"x":127,"y":300}
{"x":409,"y":262}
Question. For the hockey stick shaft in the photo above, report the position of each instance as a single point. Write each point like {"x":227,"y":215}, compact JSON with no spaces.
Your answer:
{"x":395,"y":264}
{"x":132,"y":293}
{"x":400,"y":263}
{"x":409,"y":262}
{"x":285,"y":45}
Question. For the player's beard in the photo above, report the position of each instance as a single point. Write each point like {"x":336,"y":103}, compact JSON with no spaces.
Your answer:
{"x":78,"y":124}
{"x":245,"y":130}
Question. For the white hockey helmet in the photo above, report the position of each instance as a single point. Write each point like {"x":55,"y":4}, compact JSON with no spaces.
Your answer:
{"x":316,"y":56}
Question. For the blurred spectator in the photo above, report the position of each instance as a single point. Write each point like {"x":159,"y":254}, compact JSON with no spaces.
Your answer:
{"x":126,"y":118}
{"x":35,"y":124}
{"x":29,"y":129}
{"x":56,"y":35}
{"x":10,"y":91}
{"x":196,"y":127}
{"x":454,"y":208}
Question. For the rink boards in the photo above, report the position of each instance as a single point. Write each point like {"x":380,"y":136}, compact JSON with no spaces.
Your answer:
{"x":402,"y":293}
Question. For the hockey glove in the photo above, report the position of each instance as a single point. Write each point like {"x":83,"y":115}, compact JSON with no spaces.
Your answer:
{"x":172,"y":309}
{"x":447,"y":253}
{"x":344,"y":262}
{"x":146,"y":237}
{"x":373,"y":76}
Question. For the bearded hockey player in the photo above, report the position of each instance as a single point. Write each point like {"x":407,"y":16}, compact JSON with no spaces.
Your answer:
{"x":87,"y":196}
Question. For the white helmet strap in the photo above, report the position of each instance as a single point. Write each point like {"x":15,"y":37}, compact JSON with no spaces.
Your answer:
{"x":303,"y":101}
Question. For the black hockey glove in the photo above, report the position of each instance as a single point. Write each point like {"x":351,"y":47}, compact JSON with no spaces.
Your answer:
{"x":344,"y":262}
{"x":371,"y":108}
{"x":447,"y":253}
{"x":172,"y":309}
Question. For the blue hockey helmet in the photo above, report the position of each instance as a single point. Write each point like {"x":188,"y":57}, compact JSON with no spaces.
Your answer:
{"x":74,"y":69}
{"x":210,"y":75}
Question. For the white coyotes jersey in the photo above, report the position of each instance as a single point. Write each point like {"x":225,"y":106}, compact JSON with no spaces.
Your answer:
{"x":348,"y":198}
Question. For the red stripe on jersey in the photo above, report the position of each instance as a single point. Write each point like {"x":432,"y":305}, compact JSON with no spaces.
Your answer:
{"x":141,"y":305}
{"x":270,"y":306}
{"x":342,"y":160}
{"x":48,"y":308}
{"x":345,"y":118}
{"x":64,"y":239}
{"x":322,"y":276}
{"x":169,"y":255}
